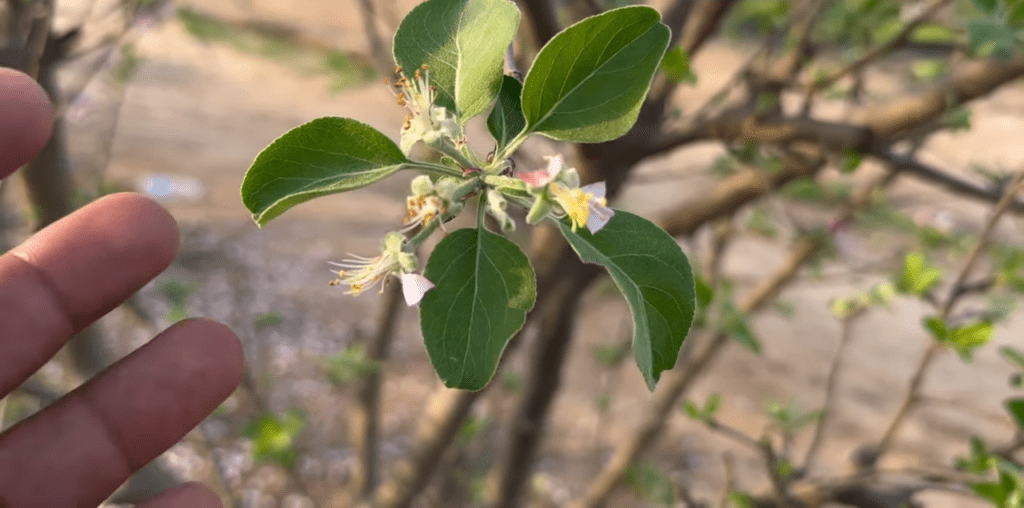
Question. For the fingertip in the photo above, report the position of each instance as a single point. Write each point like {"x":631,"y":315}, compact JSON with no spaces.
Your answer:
{"x":220,"y":344}
{"x":26,"y":119}
{"x":148,"y":214}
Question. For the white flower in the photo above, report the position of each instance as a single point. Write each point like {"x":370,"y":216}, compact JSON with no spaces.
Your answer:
{"x":425,"y":121}
{"x":584,"y":205}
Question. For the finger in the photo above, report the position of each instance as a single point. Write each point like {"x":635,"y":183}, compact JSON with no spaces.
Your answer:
{"x":25,"y":120}
{"x":77,"y":451}
{"x":189,"y":495}
{"x":73,"y":272}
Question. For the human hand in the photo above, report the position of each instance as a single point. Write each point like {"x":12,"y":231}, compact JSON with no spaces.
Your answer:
{"x":77,"y":451}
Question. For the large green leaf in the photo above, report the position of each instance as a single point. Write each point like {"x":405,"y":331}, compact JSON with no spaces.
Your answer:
{"x":653,"y":274}
{"x":325,"y":156}
{"x":463,"y":43}
{"x":484,"y":286}
{"x":506,"y":119}
{"x":588,"y":82}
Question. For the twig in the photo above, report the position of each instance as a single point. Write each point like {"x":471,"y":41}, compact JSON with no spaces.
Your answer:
{"x":729,"y":485}
{"x":762,"y":447}
{"x":675,"y":382}
{"x":913,"y":166}
{"x":892,"y":44}
{"x":37,"y":37}
{"x":831,"y":393}
{"x":917,"y":380}
{"x":366,"y":417}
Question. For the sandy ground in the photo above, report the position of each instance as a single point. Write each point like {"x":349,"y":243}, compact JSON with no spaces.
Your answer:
{"x":203,"y":111}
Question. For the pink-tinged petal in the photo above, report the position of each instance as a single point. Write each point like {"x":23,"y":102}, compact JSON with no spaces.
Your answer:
{"x":537,"y":178}
{"x":542,"y":177}
{"x":414,"y":286}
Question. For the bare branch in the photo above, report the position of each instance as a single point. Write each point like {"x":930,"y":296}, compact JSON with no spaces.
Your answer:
{"x":676,"y":381}
{"x":913,"y":395}
{"x":831,"y":393}
{"x":955,"y":184}
{"x":366,"y":417}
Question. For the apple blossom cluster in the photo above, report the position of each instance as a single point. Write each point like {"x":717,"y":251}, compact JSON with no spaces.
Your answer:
{"x":551,"y":192}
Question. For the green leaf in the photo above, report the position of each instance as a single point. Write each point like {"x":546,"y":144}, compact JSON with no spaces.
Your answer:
{"x":711,"y":406}
{"x":653,"y":274}
{"x":986,"y":6}
{"x":1013,"y":355}
{"x":351,"y":364}
{"x":274,"y":436}
{"x":325,"y":156}
{"x":968,"y":338}
{"x":929,"y":70}
{"x":705,"y":293}
{"x":484,"y":286}
{"x":735,"y":324}
{"x":937,"y":328}
{"x":463,"y":43}
{"x":849,"y":160}
{"x":1016,"y":409}
{"x":993,"y":492}
{"x":506,"y":119}
{"x":588,"y":82}
{"x":933,"y":33}
{"x":990,"y":38}
{"x":676,"y":65}
{"x":918,"y":276}
{"x":1015,"y":16}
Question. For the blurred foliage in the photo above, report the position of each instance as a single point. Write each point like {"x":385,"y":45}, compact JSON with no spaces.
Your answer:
{"x":267,"y":320}
{"x":276,"y":43}
{"x":648,"y":482}
{"x":274,"y":436}
{"x":350,"y":364}
{"x":177,"y":294}
{"x":676,"y":66}
{"x":705,"y":413}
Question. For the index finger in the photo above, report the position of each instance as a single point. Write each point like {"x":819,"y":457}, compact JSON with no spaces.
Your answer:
{"x":25,"y":120}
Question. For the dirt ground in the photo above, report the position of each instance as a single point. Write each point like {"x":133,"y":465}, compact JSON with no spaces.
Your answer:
{"x":203,"y":111}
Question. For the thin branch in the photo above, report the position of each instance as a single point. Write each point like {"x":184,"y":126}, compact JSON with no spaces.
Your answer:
{"x":892,"y":44}
{"x":676,"y":381}
{"x":831,"y":393}
{"x":953,"y":183}
{"x":913,"y":395}
{"x":366,"y":417}
{"x":37,"y":37}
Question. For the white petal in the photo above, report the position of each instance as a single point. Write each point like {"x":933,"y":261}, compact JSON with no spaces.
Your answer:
{"x":414,"y":286}
{"x":598,"y":216}
{"x":554,"y":165}
{"x":595,"y":189}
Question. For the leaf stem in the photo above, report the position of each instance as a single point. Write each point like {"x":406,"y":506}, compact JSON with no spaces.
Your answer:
{"x":431,"y":168}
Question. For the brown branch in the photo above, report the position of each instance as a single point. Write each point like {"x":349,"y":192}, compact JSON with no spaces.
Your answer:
{"x":733,"y":193}
{"x":869,"y":126}
{"x":831,"y":393}
{"x":913,"y":395}
{"x":366,"y":416}
{"x":443,"y":413}
{"x":711,"y":16}
{"x":381,"y":55}
{"x":953,"y":183}
{"x":675,"y":382}
{"x":556,"y":332}
{"x":543,"y":18}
